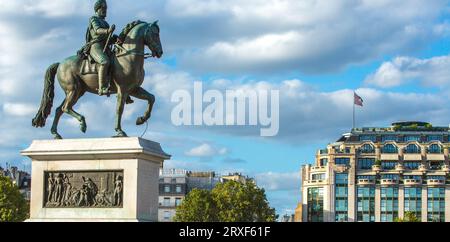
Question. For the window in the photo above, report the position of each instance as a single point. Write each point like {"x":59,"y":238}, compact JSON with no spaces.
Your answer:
{"x":166,"y":215}
{"x":434,"y":138}
{"x":436,"y":165}
{"x":385,"y":138}
{"x":390,"y":176}
{"x":365,"y":163}
{"x":413,"y":177}
{"x":177,"y":201}
{"x":412,"y":138}
{"x":166,"y":201}
{"x":178,"y":189}
{"x":323,"y":161}
{"x":411,"y":165}
{"x":435,"y":149}
{"x":315,"y":204}
{"x":341,"y":197}
{"x":441,"y":178}
{"x":367,"y":148}
{"x":371,"y":178}
{"x":388,"y":165}
{"x":342,"y":161}
{"x":167,"y":188}
{"x":436,"y":204}
{"x":412,"y":149}
{"x":390,"y":149}
{"x":413,"y":200}
{"x":318,"y":176}
{"x":389,"y":204}
{"x":366,"y":204}
{"x":372,"y":138}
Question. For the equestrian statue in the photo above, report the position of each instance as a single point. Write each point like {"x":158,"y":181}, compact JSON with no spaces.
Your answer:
{"x":100,"y":69}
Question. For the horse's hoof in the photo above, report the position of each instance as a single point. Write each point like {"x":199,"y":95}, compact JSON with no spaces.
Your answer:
{"x":120,"y":134}
{"x":140,"y":121}
{"x":57,"y":136}
{"x":83,"y":128}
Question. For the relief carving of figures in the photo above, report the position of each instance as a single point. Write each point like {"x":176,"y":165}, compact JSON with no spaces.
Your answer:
{"x":118,"y":191}
{"x":84,"y":189}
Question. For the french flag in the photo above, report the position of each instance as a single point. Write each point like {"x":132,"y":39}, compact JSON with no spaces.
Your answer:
{"x":357,"y":100}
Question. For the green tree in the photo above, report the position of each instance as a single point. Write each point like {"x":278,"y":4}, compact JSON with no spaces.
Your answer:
{"x":198,"y":206}
{"x":231,"y":202}
{"x":409,"y":217}
{"x":13,"y":207}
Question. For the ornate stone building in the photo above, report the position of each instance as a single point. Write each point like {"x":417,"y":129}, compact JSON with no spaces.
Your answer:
{"x":379,"y":174}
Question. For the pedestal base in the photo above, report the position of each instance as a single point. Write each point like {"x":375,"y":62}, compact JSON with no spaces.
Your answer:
{"x":112,"y":179}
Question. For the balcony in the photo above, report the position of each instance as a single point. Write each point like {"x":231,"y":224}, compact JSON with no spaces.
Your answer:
{"x":435,"y":157}
{"x":412,"y":182}
{"x":391,"y":157}
{"x":366,"y":182}
{"x":376,"y":168}
{"x":412,"y":157}
{"x":316,"y":182}
{"x":399,"y":167}
{"x":422,"y":168}
{"x":388,"y":182}
{"x":435,"y":182}
{"x":318,"y":168}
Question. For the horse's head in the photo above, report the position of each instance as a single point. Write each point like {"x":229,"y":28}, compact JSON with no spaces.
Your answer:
{"x":152,"y":39}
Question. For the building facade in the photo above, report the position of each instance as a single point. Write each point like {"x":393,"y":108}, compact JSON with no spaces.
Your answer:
{"x":175,"y":184}
{"x":21,"y":179}
{"x":379,"y":174}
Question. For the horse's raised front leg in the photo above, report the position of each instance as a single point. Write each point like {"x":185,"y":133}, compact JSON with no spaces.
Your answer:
{"x":70,"y":101}
{"x":121,"y":97}
{"x":141,"y":93}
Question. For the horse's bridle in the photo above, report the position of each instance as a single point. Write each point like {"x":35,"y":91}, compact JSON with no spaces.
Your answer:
{"x":134,"y":52}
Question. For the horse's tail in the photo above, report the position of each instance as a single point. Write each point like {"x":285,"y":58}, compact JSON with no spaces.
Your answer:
{"x":47,"y":97}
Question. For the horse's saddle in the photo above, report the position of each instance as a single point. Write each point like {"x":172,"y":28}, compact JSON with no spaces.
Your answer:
{"x":88,"y":66}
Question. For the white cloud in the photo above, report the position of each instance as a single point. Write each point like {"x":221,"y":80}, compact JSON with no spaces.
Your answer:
{"x":206,"y":150}
{"x":311,"y":36}
{"x":19,"y":109}
{"x":434,"y":71}
{"x":47,"y":8}
{"x":278,"y":181}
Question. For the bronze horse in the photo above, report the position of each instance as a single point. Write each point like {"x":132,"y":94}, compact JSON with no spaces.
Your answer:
{"x":127,"y":78}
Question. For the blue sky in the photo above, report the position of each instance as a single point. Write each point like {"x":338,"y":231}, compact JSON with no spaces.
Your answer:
{"x":395,"y":54}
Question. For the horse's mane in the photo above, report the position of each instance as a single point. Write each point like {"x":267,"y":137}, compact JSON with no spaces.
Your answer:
{"x":128,"y":28}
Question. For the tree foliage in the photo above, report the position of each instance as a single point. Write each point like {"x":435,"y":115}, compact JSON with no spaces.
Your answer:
{"x":13,"y":207}
{"x":227,"y":202}
{"x":198,"y":206}
{"x":409,"y":217}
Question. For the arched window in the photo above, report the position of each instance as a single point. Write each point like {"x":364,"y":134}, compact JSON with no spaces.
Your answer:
{"x":390,"y":148}
{"x":435,"y":149}
{"x":367,"y":148}
{"x":412,"y":149}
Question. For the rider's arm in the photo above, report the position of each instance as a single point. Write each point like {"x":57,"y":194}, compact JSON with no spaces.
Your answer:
{"x":96,"y":26}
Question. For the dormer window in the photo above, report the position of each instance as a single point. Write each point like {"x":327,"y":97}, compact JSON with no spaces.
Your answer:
{"x":390,"y":149}
{"x":412,"y":149}
{"x":435,"y":149}
{"x":367,"y":148}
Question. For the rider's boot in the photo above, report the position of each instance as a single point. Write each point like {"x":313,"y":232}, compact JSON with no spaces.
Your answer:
{"x":102,"y":82}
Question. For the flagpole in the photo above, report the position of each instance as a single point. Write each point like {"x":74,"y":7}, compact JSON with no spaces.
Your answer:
{"x":353,"y":126}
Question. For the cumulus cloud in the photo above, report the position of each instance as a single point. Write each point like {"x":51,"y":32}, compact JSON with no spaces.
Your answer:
{"x":433,"y":71}
{"x":19,"y":109}
{"x":272,"y":181}
{"x":311,"y":36}
{"x":206,"y":150}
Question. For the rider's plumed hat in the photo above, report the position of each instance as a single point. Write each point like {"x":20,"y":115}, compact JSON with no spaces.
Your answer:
{"x":99,"y":4}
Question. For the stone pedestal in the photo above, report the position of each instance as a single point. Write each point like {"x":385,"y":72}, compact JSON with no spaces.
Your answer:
{"x":110,"y":179}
